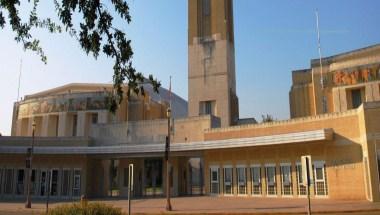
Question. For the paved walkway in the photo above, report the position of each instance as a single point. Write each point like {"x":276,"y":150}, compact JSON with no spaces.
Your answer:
{"x":218,"y":205}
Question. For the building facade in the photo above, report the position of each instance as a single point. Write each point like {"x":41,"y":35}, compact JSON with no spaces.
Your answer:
{"x":82,"y":149}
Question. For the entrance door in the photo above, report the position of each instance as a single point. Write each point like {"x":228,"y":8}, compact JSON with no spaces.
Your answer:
{"x":196,"y":177}
{"x":214,"y":180}
{"x":153,"y":177}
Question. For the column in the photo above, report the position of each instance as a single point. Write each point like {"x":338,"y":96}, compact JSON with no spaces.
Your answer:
{"x":63,"y":125}
{"x":45,"y":126}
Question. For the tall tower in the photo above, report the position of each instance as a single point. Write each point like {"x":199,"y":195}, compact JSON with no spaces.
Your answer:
{"x":212,"y":84}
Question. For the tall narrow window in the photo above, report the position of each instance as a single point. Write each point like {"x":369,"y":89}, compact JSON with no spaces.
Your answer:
{"x":286,"y":179}
{"x":206,"y":7}
{"x":65,"y":190}
{"x":208,"y":107}
{"x":33,"y":188}
{"x":1,"y":180}
{"x":43,"y":182}
{"x":320,"y":179}
{"x":228,"y":180}
{"x":270,"y":171}
{"x":256,"y":179}
{"x":214,"y":180}
{"x":241,"y":172}
{"x":301,"y":188}
{"x":54,"y":182}
{"x":75,"y":123}
{"x":77,"y":183}
{"x":8,"y":181}
{"x":94,"y":118}
{"x":20,"y":182}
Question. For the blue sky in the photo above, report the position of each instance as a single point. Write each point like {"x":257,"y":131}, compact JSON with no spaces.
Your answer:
{"x":272,"y":38}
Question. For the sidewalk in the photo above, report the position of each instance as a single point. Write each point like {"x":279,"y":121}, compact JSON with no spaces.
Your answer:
{"x":217,"y":205}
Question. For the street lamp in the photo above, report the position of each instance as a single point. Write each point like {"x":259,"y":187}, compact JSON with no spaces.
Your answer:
{"x":28,"y":203}
{"x":167,"y":150}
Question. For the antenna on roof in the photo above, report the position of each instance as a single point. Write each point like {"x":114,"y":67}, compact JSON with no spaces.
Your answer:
{"x":324,"y":105}
{"x":170,"y":92}
{"x":19,"y":81}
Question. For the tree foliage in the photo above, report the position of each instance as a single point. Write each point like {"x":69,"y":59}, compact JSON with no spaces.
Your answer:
{"x":95,"y":31}
{"x":267,"y":118}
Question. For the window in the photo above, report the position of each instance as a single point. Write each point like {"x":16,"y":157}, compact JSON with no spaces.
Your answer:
{"x":94,"y":118}
{"x":214,"y":180}
{"x":43,"y":182}
{"x":301,"y":189}
{"x":228,"y":180}
{"x":20,"y":182}
{"x":54,"y":183}
{"x":126,"y":177}
{"x":77,"y":183}
{"x":75,"y":122}
{"x":320,"y":179}
{"x":256,"y":180}
{"x":356,"y":97}
{"x":33,"y":182}
{"x":65,"y":188}
{"x":270,"y":171}
{"x":286,"y":179}
{"x":241,"y":173}
{"x":1,"y":180}
{"x":207,"y":108}
{"x":206,"y":7}
{"x":8,"y":181}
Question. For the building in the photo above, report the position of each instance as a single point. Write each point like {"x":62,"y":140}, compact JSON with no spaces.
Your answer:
{"x":86,"y":150}
{"x":347,"y":80}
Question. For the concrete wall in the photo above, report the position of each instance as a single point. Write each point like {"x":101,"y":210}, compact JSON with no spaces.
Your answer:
{"x":343,"y":156}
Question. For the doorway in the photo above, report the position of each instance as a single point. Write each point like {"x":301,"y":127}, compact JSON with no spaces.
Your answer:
{"x":153,"y":177}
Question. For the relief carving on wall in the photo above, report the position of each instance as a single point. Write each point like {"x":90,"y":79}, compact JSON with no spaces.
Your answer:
{"x":356,"y":76}
{"x":52,"y":105}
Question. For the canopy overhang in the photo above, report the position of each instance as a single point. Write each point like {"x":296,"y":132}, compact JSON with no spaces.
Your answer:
{"x":134,"y":149}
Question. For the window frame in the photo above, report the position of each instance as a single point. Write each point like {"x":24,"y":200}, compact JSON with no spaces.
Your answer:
{"x":238,"y":183}
{"x":217,"y":181}
{"x":320,"y":164}
{"x":290,"y":178}
{"x":230,"y":167}
{"x":259,"y":183}
{"x":274,"y":184}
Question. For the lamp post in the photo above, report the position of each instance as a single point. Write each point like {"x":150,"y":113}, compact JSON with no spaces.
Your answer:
{"x":28,"y":203}
{"x":167,"y":151}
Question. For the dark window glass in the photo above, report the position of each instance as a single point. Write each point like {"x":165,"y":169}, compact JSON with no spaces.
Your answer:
{"x":206,"y":7}
{"x":356,"y":98}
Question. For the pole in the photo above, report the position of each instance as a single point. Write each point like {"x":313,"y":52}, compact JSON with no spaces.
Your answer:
{"x":308,"y":186}
{"x":320,"y":65}
{"x":19,"y":81}
{"x":130,"y":186}
{"x":28,"y":203}
{"x":168,"y":204}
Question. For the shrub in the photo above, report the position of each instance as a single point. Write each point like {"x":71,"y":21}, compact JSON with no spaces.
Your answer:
{"x":85,"y":209}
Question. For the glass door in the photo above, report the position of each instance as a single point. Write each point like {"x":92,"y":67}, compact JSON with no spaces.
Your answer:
{"x":153,"y":177}
{"x":43,"y":182}
{"x":214,"y":180}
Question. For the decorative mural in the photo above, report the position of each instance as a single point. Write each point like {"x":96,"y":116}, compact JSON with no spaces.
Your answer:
{"x":63,"y":104}
{"x":355,"y":76}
